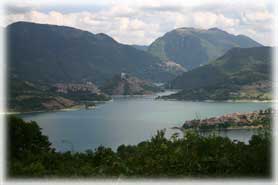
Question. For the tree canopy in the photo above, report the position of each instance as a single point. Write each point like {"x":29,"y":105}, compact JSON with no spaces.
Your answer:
{"x":30,"y":155}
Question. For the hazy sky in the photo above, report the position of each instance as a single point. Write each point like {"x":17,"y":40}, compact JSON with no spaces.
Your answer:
{"x":142,"y":21}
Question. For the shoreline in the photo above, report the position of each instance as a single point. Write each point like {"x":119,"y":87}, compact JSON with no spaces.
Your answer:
{"x":220,"y":101}
{"x":226,"y":122}
{"x":73,"y":108}
{"x":80,"y":106}
{"x":211,"y":130}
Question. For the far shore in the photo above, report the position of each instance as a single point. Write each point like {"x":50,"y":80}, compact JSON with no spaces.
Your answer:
{"x":224,"y":101}
{"x":226,"y":122}
{"x":81,"y":106}
{"x":73,"y":108}
{"x":222,"y":129}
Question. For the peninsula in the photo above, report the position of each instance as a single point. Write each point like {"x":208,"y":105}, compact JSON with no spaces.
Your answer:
{"x":238,"y":120}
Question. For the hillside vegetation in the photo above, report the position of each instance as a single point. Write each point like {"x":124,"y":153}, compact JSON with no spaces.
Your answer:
{"x":26,"y":96}
{"x":56,"y":54}
{"x":242,"y":73}
{"x":191,"y":47}
{"x":128,"y":85}
{"x":30,"y":155}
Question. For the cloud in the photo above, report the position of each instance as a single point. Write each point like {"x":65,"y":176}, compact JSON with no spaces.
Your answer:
{"x":257,"y":16}
{"x":141,"y":22}
{"x":17,"y":9}
{"x":156,"y":8}
{"x":208,"y":20}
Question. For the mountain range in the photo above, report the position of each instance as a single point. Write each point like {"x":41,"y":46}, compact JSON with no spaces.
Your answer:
{"x":191,"y":47}
{"x":49,"y":53}
{"x":241,"y":73}
{"x":237,"y":66}
{"x":65,"y":54}
{"x":43,"y":57}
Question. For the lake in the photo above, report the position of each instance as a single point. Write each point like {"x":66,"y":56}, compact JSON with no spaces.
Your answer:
{"x":130,"y":120}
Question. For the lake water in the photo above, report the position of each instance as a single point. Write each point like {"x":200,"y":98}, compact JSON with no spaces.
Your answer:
{"x":130,"y":120}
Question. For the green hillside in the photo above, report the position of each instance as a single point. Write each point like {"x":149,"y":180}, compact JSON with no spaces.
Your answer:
{"x":52,"y":54}
{"x":192,"y":47}
{"x":26,"y":96}
{"x":242,"y":73}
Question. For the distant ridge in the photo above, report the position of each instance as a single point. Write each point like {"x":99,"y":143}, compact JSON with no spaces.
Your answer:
{"x":192,"y":47}
{"x":240,"y":74}
{"x":238,"y":65}
{"x":50,"y":53}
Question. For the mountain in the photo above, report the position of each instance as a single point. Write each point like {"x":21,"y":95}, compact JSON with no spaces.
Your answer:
{"x":238,"y":65}
{"x":52,"y":54}
{"x":125,"y":84}
{"x":241,"y":73}
{"x":169,"y":66}
{"x":192,"y":47}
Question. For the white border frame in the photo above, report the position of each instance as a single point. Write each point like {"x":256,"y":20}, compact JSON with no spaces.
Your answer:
{"x":4,"y":180}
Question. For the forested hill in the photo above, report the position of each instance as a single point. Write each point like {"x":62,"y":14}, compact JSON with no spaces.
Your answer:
{"x":26,"y":96}
{"x":237,"y":66}
{"x":240,"y":74}
{"x":49,"y":53}
{"x":192,"y":47}
{"x":193,"y":156}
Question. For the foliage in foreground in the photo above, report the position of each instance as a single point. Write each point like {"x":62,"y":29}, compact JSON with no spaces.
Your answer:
{"x":30,"y":155}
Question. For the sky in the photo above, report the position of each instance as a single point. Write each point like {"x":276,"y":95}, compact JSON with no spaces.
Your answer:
{"x":143,"y":21}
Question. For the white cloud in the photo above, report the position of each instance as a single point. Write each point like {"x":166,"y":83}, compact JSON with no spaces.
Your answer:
{"x":208,"y":19}
{"x":142,"y":21}
{"x":257,"y":16}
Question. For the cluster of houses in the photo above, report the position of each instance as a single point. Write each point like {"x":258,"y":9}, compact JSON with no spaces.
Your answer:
{"x":234,"y":118}
{"x":76,"y":87}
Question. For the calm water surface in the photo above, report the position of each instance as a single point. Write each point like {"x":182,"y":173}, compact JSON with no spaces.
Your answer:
{"x":130,"y":120}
